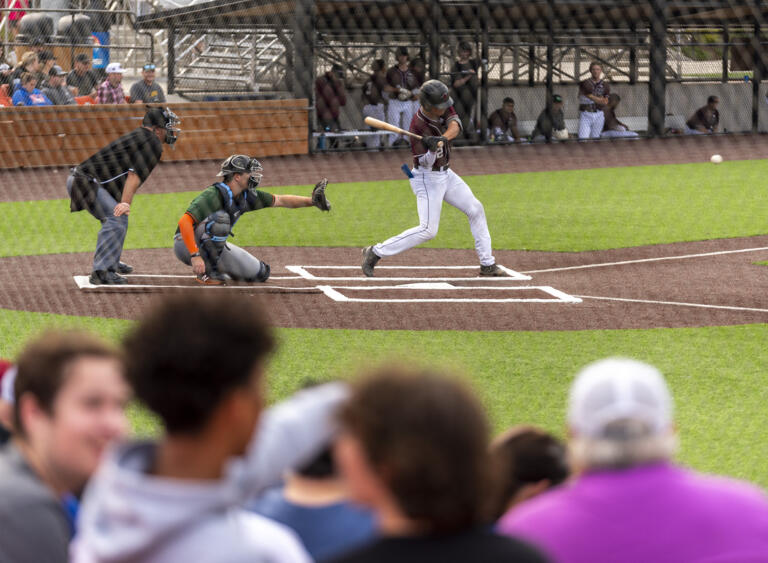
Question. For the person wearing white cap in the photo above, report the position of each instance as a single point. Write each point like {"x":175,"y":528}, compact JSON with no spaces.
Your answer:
{"x":111,"y":90}
{"x":630,"y":502}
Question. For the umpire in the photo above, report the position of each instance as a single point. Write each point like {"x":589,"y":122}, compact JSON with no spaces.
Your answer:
{"x":105,"y":183}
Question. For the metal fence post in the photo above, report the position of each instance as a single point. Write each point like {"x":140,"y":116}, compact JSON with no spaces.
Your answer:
{"x":657,"y":83}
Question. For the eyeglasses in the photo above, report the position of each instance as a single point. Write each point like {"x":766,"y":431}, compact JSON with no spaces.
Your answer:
{"x":149,"y":67}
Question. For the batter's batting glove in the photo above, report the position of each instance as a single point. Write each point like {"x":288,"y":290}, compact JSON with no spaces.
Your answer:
{"x":318,"y":196}
{"x":432,"y":142}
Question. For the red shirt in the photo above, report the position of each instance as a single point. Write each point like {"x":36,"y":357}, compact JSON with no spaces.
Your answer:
{"x":426,"y":127}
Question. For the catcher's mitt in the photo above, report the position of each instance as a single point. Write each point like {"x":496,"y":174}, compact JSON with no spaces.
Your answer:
{"x":318,"y":196}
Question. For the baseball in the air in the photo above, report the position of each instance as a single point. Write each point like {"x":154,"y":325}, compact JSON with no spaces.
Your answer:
{"x":716,"y":159}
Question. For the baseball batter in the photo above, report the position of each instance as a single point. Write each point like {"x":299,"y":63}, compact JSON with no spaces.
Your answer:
{"x":433,"y":181}
{"x":113,"y":175}
{"x":593,"y":97}
{"x":201,"y":238}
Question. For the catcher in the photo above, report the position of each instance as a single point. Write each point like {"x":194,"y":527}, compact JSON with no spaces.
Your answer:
{"x":201,"y":239}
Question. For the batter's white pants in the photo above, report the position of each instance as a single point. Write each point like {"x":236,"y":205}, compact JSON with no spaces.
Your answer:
{"x":399,"y":114}
{"x":377,"y":112}
{"x":591,"y":124}
{"x":619,"y":133}
{"x":431,"y":188}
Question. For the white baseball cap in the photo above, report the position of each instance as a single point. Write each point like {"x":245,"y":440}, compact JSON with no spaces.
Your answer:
{"x":617,"y":389}
{"x":114,"y":68}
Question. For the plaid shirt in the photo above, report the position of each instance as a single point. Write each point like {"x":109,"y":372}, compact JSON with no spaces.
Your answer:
{"x":106,"y":94}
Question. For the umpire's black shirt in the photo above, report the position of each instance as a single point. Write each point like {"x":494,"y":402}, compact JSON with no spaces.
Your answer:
{"x":138,"y":151}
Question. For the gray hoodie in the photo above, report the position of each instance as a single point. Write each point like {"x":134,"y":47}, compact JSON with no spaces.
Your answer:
{"x":128,"y":515}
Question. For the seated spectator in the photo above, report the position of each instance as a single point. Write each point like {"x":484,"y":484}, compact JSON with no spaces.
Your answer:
{"x":57,"y":91}
{"x":706,"y":119}
{"x":314,"y":503}
{"x":503,"y":123}
{"x":111,"y":91}
{"x":28,"y":94}
{"x":70,"y":400}
{"x":630,"y":501}
{"x":552,"y":126}
{"x":47,"y":60}
{"x":198,"y":362}
{"x":7,"y":371}
{"x":414,"y":448}
{"x":29,"y":64}
{"x":331,"y":95}
{"x":5,"y":74}
{"x":146,"y":90}
{"x":82,"y":80}
{"x":612,"y":126}
{"x":527,"y":461}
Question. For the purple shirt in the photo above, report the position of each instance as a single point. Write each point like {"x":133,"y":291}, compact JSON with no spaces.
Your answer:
{"x":659,"y":513}
{"x":108,"y":94}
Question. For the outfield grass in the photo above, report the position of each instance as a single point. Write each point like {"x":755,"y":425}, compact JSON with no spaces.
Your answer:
{"x":571,"y":210}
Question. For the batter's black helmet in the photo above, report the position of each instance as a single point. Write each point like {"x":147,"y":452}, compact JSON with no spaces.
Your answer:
{"x":243,"y":164}
{"x":434,"y":94}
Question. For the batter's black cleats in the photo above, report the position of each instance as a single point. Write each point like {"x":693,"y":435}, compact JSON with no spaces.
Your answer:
{"x":214,"y":278}
{"x":123,"y":268}
{"x":105,"y":277}
{"x":492,"y":271}
{"x":370,"y":259}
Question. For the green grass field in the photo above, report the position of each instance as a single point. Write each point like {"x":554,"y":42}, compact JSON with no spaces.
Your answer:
{"x":717,"y":373}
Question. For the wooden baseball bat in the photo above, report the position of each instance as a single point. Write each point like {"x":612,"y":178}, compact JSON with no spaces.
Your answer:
{"x":379,"y":124}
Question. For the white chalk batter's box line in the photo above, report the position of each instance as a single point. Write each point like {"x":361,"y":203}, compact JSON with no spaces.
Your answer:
{"x":84,"y":283}
{"x":557,"y":296}
{"x":512,"y":275}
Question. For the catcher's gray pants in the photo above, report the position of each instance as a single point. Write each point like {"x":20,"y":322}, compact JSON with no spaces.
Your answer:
{"x":234,"y":261}
{"x":111,"y":237}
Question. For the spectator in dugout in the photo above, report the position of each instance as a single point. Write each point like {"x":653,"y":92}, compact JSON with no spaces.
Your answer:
{"x":56,"y":90}
{"x":5,"y":74}
{"x":503,"y":123}
{"x":465,"y":83}
{"x":527,"y":462}
{"x":70,"y":399}
{"x":551,"y":123}
{"x":28,"y":94}
{"x":706,"y":119}
{"x":373,"y":98}
{"x":111,"y":90}
{"x":613,"y":128}
{"x":629,"y":500}
{"x":400,"y":87}
{"x":593,"y":97}
{"x":82,"y":80}
{"x":423,"y":466}
{"x":314,"y":502}
{"x":146,"y":90}
{"x":198,"y":362}
{"x":330,"y":96}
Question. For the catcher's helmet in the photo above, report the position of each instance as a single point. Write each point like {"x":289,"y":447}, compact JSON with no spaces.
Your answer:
{"x":434,"y":94}
{"x":165,"y":118}
{"x":243,"y":164}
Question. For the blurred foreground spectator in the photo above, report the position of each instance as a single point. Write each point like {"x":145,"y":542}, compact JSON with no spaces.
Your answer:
{"x":70,"y":398}
{"x":414,"y":447}
{"x":331,"y":95}
{"x":314,"y":503}
{"x":29,"y":94}
{"x":706,"y":119}
{"x":57,"y":91}
{"x":81,"y":79}
{"x":199,"y":363}
{"x":612,"y":126}
{"x":630,"y":502}
{"x":7,"y":377}
{"x":551,"y":125}
{"x":111,"y":90}
{"x":527,"y":462}
{"x":373,"y":97}
{"x":147,"y":90}
{"x":503,"y":123}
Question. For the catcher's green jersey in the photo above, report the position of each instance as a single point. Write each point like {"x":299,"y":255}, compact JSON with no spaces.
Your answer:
{"x":210,"y":200}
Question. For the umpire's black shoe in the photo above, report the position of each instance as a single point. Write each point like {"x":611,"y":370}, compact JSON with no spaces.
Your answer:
{"x":105,"y":277}
{"x":123,"y":268}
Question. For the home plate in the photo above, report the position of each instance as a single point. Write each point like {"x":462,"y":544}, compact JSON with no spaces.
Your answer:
{"x":428,"y":285}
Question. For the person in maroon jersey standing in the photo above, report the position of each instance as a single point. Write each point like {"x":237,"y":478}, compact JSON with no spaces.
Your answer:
{"x":433,"y":181}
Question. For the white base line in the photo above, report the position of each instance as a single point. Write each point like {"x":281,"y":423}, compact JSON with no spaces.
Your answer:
{"x":677,"y":303}
{"x":304,"y":273}
{"x":83,"y":283}
{"x":188,"y":276}
{"x":559,"y":297}
{"x":603,"y":264}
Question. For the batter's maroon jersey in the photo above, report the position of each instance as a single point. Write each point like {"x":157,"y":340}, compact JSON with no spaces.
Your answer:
{"x":426,"y":127}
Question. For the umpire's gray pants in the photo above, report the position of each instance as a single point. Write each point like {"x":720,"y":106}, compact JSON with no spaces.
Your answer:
{"x":234,"y":261}
{"x":111,"y":237}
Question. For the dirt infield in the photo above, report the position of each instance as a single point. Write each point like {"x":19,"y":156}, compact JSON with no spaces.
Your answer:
{"x":677,"y":285}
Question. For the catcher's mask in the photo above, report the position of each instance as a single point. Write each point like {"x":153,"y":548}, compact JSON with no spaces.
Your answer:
{"x":165,"y":118}
{"x":243,"y":164}
{"x":434,"y":94}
